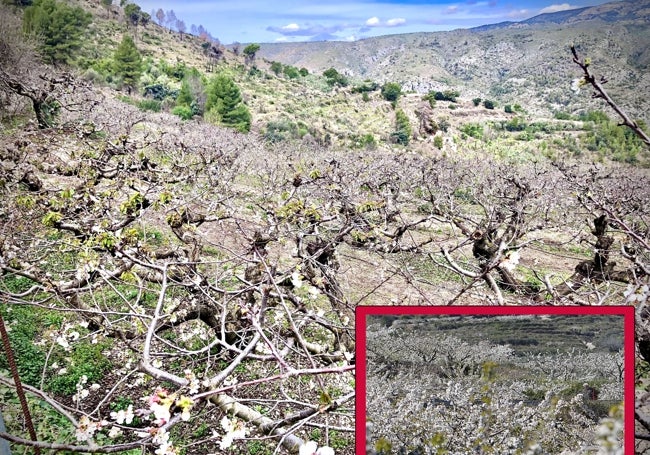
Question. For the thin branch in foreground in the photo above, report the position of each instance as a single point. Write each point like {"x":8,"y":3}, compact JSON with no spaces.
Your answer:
{"x":601,"y":93}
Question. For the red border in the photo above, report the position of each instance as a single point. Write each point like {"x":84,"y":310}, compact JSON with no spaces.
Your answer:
{"x":360,"y":325}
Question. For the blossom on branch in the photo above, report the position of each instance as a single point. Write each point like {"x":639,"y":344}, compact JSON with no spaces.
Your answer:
{"x":311,"y":448}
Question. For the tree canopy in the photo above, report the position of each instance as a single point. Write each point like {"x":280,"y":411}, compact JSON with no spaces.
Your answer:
{"x":391,"y":91}
{"x":225,"y":102}
{"x":59,"y":27}
{"x":128,"y":62}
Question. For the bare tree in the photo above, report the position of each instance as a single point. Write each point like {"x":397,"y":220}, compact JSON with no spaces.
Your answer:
{"x":160,"y":17}
{"x":181,"y":27}
{"x":171,"y":19}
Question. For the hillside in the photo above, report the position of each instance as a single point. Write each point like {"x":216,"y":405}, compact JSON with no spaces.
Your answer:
{"x":510,"y":62}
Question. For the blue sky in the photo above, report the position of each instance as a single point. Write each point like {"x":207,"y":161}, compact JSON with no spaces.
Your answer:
{"x":267,"y":21}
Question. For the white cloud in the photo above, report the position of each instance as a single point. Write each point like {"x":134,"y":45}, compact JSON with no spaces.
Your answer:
{"x":451,"y":10}
{"x":373,"y":22}
{"x":556,"y":8}
{"x":395,"y":22}
{"x":291,"y":27}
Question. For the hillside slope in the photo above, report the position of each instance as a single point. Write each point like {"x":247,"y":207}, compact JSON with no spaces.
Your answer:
{"x":511,"y":62}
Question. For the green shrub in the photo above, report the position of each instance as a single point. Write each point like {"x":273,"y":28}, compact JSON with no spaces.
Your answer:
{"x":92,"y":75}
{"x":391,"y":91}
{"x":508,"y":109}
{"x":280,"y":130}
{"x":149,"y":105}
{"x":476,"y":101}
{"x":437,"y":142}
{"x":400,"y":137}
{"x":447,"y":95}
{"x":276,"y":68}
{"x":474,"y":130}
{"x":611,"y":140}
{"x":159,"y":91}
{"x":562,"y":115}
{"x":334,"y":78}
{"x":443,"y":124}
{"x":291,"y":72}
{"x":489,"y":104}
{"x":367,"y":86}
{"x":516,"y":124}
{"x":430,"y":97}
{"x":184,"y":112}
{"x":366,"y":141}
{"x":403,"y":130}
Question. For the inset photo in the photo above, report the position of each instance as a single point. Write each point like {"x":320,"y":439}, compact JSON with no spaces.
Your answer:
{"x":500,"y":380}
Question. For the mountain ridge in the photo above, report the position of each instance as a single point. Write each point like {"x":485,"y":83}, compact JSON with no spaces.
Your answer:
{"x":510,"y":62}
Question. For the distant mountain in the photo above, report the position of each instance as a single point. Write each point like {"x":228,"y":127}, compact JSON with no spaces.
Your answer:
{"x":527,"y":62}
{"x":630,"y":11}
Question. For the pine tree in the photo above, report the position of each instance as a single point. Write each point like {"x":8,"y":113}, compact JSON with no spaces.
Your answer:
{"x":58,"y":26}
{"x":403,"y":130}
{"x":184,"y":97}
{"x":224,"y":102}
{"x":128,"y":62}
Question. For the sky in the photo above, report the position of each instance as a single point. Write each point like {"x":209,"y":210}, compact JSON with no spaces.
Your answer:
{"x":270,"y":21}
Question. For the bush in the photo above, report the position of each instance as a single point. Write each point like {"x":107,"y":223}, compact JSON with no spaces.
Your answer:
{"x":149,"y":105}
{"x":399,"y":137}
{"x":430,"y":97}
{"x":366,"y":141}
{"x":437,"y":142}
{"x":447,"y":95}
{"x":184,"y":112}
{"x":334,"y":78}
{"x":280,"y":130}
{"x":391,"y":91}
{"x":476,"y":101}
{"x":515,"y":125}
{"x":291,"y":72}
{"x":367,"y":86}
{"x":443,"y":124}
{"x":403,"y":131}
{"x":276,"y":68}
{"x":562,"y":115}
{"x":489,"y":104}
{"x":508,"y":109}
{"x":160,"y":92}
{"x":91,"y":75}
{"x":474,"y":130}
